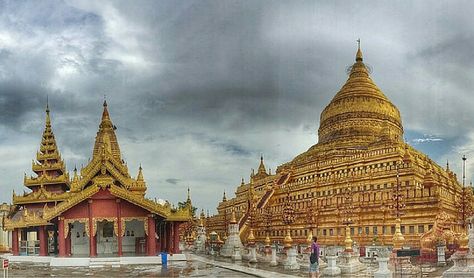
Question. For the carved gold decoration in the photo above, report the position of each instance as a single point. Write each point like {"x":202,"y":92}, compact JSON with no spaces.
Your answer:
{"x":144,"y":219}
{"x":106,"y":171}
{"x":360,"y":145}
{"x":40,"y":196}
{"x":68,"y":221}
{"x":145,"y":226}
{"x":108,"y":219}
{"x":440,"y":234}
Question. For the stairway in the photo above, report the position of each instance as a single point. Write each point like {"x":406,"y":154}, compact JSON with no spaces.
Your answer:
{"x":104,"y":262}
{"x":261,"y":203}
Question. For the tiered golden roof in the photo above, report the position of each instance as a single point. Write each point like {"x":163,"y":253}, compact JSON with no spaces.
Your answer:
{"x":105,"y":171}
{"x":49,"y":167}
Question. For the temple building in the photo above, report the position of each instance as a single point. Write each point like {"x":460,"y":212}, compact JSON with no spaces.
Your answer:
{"x":360,"y":174}
{"x":99,"y":211}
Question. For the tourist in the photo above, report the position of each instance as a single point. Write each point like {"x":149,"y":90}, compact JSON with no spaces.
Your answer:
{"x":314,"y":259}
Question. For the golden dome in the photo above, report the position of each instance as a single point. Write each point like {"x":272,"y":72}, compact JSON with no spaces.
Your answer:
{"x":360,"y":113}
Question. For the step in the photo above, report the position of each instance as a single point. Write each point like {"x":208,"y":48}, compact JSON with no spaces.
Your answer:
{"x":104,"y":262}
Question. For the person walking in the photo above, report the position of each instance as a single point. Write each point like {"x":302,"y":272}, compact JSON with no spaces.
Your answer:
{"x":314,"y":259}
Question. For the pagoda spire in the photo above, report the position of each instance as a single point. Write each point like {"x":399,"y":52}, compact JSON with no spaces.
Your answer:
{"x":359,"y":57}
{"x":140,"y":185}
{"x":140,"y":173}
{"x":106,"y":138}
{"x":48,"y":165}
{"x":261,"y":167}
{"x":224,"y":198}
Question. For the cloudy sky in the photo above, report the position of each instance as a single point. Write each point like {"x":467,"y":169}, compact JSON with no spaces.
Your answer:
{"x":199,"y":89}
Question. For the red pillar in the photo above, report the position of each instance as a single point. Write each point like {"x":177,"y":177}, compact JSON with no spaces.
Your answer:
{"x":15,"y":244}
{"x":169,"y":237}
{"x":119,"y":236}
{"x":162,"y":236}
{"x":176,"y":238}
{"x":92,"y":243}
{"x":61,"y":239}
{"x":158,"y":241}
{"x":151,"y":241}
{"x":43,"y":251}
{"x":68,"y":243}
{"x":165,"y":237}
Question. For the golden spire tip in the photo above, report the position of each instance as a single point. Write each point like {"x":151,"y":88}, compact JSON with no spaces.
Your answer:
{"x":359,"y":52}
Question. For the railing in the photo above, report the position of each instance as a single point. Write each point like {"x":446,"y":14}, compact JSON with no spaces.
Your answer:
{"x":29,"y":247}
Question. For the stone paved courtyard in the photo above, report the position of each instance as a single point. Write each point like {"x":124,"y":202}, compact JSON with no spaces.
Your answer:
{"x":181,"y":269}
{"x":194,"y":268}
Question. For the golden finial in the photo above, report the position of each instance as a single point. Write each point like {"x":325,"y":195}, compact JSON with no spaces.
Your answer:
{"x":189,"y":196}
{"x":224,"y":198}
{"x":140,"y":173}
{"x":242,"y":182}
{"x":359,"y":52}
{"x":75,"y":178}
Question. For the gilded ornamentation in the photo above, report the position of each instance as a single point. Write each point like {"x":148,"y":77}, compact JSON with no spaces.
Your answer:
{"x":360,"y":146}
{"x":106,"y":171}
{"x":440,"y":234}
{"x":143,"y":219}
{"x":108,"y":219}
{"x":68,"y":221}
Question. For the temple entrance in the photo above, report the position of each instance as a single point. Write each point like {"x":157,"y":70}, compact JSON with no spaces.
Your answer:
{"x":29,"y":242}
{"x":106,"y":238}
{"x":79,"y":239}
{"x":134,"y":238}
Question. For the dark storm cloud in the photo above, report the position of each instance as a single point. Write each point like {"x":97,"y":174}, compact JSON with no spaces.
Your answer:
{"x":198,"y":89}
{"x":172,"y":181}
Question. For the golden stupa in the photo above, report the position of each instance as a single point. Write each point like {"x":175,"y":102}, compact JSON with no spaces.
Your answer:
{"x":360,"y":147}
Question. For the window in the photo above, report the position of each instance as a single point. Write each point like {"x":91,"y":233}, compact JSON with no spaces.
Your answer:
{"x":421,"y":229}
{"x":331,"y":232}
{"x":430,"y":227}
{"x":324,"y":232}
{"x":411,"y":229}
{"x":403,"y":229}
{"x":393,"y":230}
{"x":366,"y":230}
{"x":352,"y":231}
{"x":359,"y":230}
{"x":374,"y":230}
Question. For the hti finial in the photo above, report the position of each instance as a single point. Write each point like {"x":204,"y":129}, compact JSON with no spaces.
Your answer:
{"x":105,"y":100}
{"x":47,"y":104}
{"x":359,"y":52}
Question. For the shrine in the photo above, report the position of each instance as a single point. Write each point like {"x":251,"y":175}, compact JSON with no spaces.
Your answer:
{"x":100,"y":211}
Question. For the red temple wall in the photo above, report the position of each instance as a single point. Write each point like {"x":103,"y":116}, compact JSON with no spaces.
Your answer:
{"x":78,"y":211}
{"x":104,"y":205}
{"x":132,"y":210}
